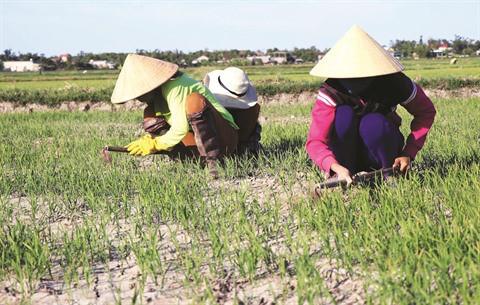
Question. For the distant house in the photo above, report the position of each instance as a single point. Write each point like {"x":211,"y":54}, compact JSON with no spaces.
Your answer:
{"x":203,"y":58}
{"x":280,"y":57}
{"x":21,"y":66}
{"x":443,"y":50}
{"x":101,"y":64}
{"x":199,"y":60}
{"x":444,"y":47}
{"x":264,"y":59}
{"x":64,"y":57}
{"x":439,"y":53}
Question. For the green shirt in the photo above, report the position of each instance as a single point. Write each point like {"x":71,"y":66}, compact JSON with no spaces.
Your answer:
{"x":175,"y":93}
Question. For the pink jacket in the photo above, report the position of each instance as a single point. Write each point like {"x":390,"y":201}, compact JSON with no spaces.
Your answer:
{"x":323,"y":115}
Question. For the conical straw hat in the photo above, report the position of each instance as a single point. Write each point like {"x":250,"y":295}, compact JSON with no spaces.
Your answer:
{"x":356,"y":54}
{"x":139,"y":75}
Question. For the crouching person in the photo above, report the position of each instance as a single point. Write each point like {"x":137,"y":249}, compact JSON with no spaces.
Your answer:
{"x":232,"y":88}
{"x":181,"y":113}
{"x":354,"y":123}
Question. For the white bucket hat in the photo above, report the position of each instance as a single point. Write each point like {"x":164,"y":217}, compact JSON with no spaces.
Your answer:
{"x":231,"y":87}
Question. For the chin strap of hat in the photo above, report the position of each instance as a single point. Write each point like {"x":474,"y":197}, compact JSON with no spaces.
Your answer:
{"x":225,"y":87}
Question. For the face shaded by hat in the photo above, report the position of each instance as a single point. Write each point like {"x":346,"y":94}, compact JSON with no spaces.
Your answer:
{"x":232,"y":88}
{"x":140,"y":75}
{"x":386,"y":89}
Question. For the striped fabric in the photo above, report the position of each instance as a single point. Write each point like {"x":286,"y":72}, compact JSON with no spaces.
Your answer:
{"x":326,"y":99}
{"x":412,"y":96}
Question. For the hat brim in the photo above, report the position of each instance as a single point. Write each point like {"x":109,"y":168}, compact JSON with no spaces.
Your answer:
{"x":226,"y":98}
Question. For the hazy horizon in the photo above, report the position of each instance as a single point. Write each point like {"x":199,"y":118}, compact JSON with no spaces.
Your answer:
{"x":54,"y":27}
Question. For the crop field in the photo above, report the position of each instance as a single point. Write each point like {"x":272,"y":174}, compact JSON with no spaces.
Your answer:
{"x":53,"y":89}
{"x":153,"y":230}
{"x":429,"y":69}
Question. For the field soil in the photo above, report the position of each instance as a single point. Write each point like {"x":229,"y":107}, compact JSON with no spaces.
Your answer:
{"x":281,"y":98}
{"x":119,"y":281}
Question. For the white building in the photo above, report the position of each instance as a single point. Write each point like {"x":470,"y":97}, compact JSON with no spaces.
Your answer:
{"x":265,"y":59}
{"x":199,"y":60}
{"x":101,"y":64}
{"x":202,"y":59}
{"x":64,"y":57}
{"x":442,"y":51}
{"x":21,"y":66}
{"x":439,"y":53}
{"x":279,"y":57}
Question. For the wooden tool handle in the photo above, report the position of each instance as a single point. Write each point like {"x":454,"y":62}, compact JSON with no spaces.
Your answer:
{"x":333,"y":182}
{"x":116,"y":149}
{"x":122,"y":149}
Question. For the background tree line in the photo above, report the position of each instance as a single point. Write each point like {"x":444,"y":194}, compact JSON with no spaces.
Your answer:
{"x":405,"y":48}
{"x":459,"y":46}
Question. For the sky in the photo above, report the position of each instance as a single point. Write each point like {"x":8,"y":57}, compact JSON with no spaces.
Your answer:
{"x":54,"y":27}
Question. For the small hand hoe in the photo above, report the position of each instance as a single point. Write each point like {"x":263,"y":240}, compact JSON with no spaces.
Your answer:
{"x":107,"y":149}
{"x":359,"y":178}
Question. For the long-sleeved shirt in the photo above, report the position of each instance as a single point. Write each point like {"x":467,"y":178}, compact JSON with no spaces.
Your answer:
{"x":323,"y":116}
{"x":172,"y":107}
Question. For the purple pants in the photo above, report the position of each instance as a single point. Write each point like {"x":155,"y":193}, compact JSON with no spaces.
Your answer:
{"x":367,"y":142}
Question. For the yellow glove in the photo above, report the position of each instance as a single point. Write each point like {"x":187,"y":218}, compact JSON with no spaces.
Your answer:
{"x":143,"y":146}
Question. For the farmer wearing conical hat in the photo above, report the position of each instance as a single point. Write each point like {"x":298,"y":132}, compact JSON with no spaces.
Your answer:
{"x":354,"y":124}
{"x":232,"y":88}
{"x":181,"y":112}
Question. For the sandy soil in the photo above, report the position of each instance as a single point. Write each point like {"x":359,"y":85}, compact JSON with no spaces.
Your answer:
{"x":118,"y":281}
